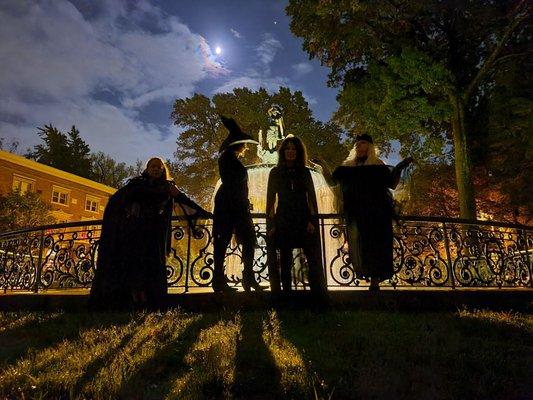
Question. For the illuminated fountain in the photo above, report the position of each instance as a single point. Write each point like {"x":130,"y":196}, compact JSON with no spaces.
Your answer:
{"x":257,"y":187}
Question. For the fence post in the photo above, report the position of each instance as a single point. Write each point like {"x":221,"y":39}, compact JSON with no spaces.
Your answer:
{"x":448,"y":255}
{"x":190,"y":232}
{"x":39,"y":263}
{"x":528,"y":259}
{"x":323,"y":248}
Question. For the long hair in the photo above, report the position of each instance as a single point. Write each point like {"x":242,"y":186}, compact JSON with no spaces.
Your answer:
{"x":165,"y":176}
{"x":301,"y":152}
{"x":371,"y":157}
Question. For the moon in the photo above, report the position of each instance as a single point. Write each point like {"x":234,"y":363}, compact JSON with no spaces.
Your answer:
{"x":218,"y":50}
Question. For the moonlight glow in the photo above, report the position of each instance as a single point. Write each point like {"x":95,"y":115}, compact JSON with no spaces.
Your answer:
{"x":218,"y":50}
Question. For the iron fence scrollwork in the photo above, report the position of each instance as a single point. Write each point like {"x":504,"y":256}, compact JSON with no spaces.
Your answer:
{"x":427,"y":252}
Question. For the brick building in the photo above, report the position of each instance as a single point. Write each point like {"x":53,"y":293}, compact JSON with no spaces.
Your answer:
{"x":72,"y":197}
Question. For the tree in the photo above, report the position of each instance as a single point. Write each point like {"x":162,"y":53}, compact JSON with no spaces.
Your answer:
{"x":80,"y":154}
{"x":414,"y":70}
{"x":430,"y":191}
{"x":21,"y":210}
{"x":65,"y":152}
{"x":108,"y":171}
{"x":502,"y":145}
{"x":195,"y":164}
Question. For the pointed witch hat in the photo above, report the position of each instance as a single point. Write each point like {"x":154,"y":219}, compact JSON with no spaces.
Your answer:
{"x":235,"y":135}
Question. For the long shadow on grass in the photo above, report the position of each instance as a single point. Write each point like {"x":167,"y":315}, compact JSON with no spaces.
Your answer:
{"x":157,"y":374}
{"x":92,"y":368}
{"x":37,"y":334}
{"x":256,"y":373}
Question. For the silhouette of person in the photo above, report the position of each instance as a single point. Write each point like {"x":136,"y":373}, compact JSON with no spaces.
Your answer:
{"x":232,"y":209}
{"x":292,"y":218}
{"x":367,"y":208}
{"x":136,"y":239}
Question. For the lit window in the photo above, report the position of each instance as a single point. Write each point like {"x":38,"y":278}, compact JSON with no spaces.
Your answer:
{"x":59,"y":196}
{"x":92,"y":204}
{"x":23,"y":184}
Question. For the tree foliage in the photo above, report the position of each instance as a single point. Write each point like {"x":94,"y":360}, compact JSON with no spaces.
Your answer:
{"x":106,"y":170}
{"x":21,"y":210}
{"x":415,"y":70}
{"x":67,"y":152}
{"x":202,"y":133}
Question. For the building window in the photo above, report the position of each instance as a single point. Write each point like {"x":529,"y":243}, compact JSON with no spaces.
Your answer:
{"x":60,"y":195}
{"x":92,"y":204}
{"x":23,"y":184}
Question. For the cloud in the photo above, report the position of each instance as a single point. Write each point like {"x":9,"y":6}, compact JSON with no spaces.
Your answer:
{"x":259,"y":75}
{"x":267,"y":49}
{"x":56,"y":55}
{"x":271,"y":84}
{"x":236,"y":33}
{"x":302,"y":69}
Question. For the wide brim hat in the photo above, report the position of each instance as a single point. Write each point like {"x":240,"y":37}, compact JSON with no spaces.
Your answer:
{"x":235,"y":135}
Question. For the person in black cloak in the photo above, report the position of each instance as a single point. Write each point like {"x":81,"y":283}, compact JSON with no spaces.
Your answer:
{"x":136,"y":239}
{"x":367,"y":208}
{"x":232,"y":209}
{"x":292,"y":218}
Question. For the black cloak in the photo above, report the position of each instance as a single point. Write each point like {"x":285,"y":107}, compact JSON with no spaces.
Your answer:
{"x":133,"y":246}
{"x":368,"y":204}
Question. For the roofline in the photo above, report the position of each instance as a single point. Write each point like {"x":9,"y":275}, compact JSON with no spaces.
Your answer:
{"x":25,"y":162}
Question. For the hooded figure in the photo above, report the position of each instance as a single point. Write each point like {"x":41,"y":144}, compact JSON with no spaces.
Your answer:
{"x":232,"y":209}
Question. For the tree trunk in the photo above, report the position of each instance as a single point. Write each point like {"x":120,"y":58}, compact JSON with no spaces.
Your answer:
{"x":463,"y":168}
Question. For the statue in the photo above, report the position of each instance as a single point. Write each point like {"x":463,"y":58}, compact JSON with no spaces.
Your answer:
{"x":275,"y":134}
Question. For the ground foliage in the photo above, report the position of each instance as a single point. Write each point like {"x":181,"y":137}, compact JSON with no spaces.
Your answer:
{"x":261,"y":355}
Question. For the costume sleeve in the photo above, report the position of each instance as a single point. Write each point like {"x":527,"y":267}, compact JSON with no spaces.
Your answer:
{"x":231,"y":170}
{"x":235,"y":179}
{"x":396,"y":172}
{"x":311,"y":195}
{"x":272,"y":190}
{"x":183,"y":200}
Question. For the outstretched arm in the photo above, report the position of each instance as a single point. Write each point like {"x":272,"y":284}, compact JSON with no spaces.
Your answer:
{"x":396,"y":172}
{"x":184,"y":201}
{"x":326,"y":171}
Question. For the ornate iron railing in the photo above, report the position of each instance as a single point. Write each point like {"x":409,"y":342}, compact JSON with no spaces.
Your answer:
{"x":428,"y":252}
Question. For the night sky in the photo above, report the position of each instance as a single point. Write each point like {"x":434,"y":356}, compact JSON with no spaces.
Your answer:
{"x":113,"y":68}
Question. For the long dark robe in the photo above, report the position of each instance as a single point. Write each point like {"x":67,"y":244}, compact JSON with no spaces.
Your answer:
{"x":133,"y":246}
{"x":368,"y":211}
{"x":296,"y":205}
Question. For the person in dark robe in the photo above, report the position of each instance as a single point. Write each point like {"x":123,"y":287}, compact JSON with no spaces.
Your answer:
{"x":368,"y":211}
{"x":232,"y":210}
{"x":292,"y":218}
{"x":135,"y":241}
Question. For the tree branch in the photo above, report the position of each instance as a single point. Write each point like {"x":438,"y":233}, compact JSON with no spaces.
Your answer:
{"x":489,"y":63}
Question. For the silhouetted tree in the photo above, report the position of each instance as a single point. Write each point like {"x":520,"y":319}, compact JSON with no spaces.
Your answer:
{"x":65,"y":152}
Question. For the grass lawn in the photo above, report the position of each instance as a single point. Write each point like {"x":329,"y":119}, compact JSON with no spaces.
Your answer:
{"x":263,"y":355}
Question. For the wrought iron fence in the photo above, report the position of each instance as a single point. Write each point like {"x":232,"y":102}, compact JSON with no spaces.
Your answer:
{"x":428,"y":252}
